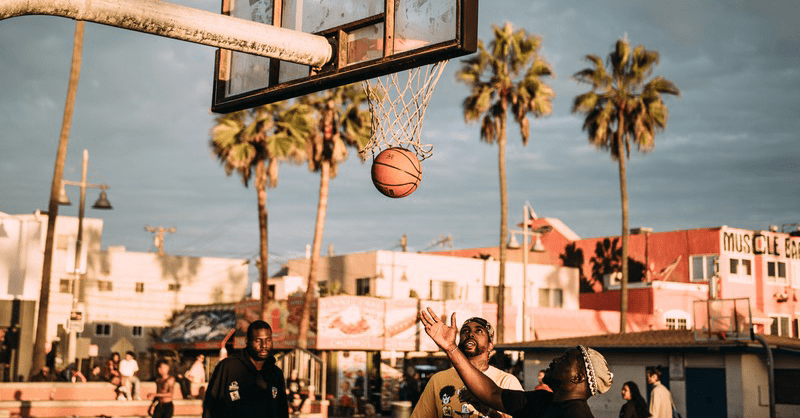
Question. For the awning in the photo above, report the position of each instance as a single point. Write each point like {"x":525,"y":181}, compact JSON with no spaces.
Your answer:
{"x":198,"y":328}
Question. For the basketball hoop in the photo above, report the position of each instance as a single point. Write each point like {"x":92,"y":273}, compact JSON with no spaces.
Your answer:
{"x":397,"y":103}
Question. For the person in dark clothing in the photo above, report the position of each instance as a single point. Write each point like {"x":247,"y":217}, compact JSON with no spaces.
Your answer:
{"x":248,"y":384}
{"x":635,"y":407}
{"x":578,"y":374}
{"x":44,"y":375}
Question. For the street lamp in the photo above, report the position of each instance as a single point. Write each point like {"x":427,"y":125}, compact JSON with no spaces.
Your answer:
{"x":527,"y":215}
{"x":101,"y":203}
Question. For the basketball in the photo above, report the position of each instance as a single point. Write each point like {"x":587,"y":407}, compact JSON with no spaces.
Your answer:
{"x":396,"y":172}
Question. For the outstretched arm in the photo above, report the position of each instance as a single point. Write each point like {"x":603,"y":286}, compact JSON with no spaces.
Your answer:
{"x":445,"y":337}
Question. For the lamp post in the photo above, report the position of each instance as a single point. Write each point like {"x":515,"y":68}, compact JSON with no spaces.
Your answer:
{"x":102,"y":203}
{"x":527,"y":215}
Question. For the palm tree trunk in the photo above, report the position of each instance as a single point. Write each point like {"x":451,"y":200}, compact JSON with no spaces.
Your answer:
{"x":40,"y":341}
{"x":322,"y":208}
{"x":263,"y":272}
{"x":501,"y":281}
{"x":623,"y":188}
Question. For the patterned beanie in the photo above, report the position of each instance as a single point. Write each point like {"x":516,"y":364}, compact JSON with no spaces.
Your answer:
{"x":597,"y":373}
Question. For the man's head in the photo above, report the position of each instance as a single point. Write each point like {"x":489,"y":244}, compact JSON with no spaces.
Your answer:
{"x":201,"y":358}
{"x":129,"y":355}
{"x":477,"y":336}
{"x":259,"y":340}
{"x":579,"y":373}
{"x":162,"y":366}
{"x":541,"y":376}
{"x":653,"y":374}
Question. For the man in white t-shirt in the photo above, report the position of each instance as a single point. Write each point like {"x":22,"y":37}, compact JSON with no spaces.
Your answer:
{"x":445,"y":395}
{"x":130,"y":382}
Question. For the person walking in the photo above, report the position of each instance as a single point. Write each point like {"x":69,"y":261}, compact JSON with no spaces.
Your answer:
{"x":635,"y":405}
{"x":248,"y":384}
{"x":660,"y":396}
{"x":439,"y":399}
{"x":162,"y":406}
{"x":577,"y":375}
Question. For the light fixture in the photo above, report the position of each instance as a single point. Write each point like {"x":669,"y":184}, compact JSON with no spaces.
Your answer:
{"x":513,"y":244}
{"x":102,"y":201}
{"x":538,"y":246}
{"x":63,"y":197}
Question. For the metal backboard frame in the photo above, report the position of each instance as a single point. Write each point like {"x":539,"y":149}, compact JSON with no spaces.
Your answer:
{"x":369,"y":38}
{"x":727,"y":318}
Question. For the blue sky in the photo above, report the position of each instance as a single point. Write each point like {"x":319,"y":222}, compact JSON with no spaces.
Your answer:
{"x":730,"y":154}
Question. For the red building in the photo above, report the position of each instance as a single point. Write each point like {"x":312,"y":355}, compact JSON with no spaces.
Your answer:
{"x":670,"y":270}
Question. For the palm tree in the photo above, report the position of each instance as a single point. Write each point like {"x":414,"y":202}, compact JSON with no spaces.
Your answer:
{"x":39,"y":354}
{"x":342,"y":120}
{"x":623,"y":107}
{"x":505,"y":77}
{"x":251,"y":143}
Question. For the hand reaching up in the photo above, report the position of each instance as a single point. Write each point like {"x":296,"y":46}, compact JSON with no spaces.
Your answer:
{"x":444,"y":336}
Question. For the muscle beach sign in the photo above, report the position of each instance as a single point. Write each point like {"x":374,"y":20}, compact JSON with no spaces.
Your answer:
{"x":760,"y":243}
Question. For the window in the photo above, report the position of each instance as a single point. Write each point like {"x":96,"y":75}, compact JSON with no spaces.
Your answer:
{"x":64,"y":286}
{"x":776,"y":271}
{"x":741,"y":269}
{"x":174,"y":287}
{"x":102,"y":330}
{"x":490,"y":294}
{"x":703,"y":267}
{"x":62,"y":242}
{"x":136,"y":331}
{"x":780,"y":326}
{"x":550,"y":298}
{"x":105,"y":285}
{"x":139,"y":287}
{"x":363,"y":287}
{"x":786,"y":386}
{"x":444,"y":290}
{"x":676,"y":323}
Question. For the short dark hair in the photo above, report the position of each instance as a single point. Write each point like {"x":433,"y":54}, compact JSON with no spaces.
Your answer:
{"x":653,"y":370}
{"x":160,"y":362}
{"x":131,"y":353}
{"x":256,"y":325}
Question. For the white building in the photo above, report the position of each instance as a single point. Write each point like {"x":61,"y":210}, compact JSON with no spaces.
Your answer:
{"x":394,"y":274}
{"x":123,"y":295}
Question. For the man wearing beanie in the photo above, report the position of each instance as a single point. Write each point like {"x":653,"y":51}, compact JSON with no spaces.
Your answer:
{"x":577,"y":375}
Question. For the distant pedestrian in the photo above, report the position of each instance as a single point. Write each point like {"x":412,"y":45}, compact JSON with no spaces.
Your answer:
{"x":660,"y":396}
{"x":248,"y":384}
{"x":128,"y":369}
{"x":542,"y":385}
{"x":197,"y":373}
{"x":162,"y":406}
{"x":635,"y":405}
{"x":44,"y":375}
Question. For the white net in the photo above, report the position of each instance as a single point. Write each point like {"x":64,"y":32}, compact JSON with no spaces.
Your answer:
{"x":397,"y":103}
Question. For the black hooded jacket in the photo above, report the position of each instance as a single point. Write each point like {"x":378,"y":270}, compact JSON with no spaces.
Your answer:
{"x":238,"y":389}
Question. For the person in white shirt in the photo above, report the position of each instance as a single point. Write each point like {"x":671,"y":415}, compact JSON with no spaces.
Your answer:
{"x":660,"y":397}
{"x":128,"y":368}
{"x":445,"y":395}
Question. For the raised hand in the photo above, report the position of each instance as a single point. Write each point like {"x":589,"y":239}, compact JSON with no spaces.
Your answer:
{"x":444,"y":336}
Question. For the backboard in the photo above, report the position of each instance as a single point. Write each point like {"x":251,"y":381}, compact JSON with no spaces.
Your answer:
{"x":369,"y":38}
{"x":716,"y":319}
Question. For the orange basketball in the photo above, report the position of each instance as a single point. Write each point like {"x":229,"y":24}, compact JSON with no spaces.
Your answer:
{"x":396,"y":172}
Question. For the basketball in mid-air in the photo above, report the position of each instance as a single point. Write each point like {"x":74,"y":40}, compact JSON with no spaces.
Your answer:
{"x":396,"y":172}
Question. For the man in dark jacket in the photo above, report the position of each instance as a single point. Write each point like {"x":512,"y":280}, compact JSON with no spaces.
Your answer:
{"x":248,"y":384}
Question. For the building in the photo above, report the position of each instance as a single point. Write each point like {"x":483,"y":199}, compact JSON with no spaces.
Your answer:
{"x":708,"y":377}
{"x":397,"y":275}
{"x":124,"y":296}
{"x":669,"y":270}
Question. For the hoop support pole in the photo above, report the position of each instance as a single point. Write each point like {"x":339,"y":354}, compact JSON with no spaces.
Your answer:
{"x":186,"y":24}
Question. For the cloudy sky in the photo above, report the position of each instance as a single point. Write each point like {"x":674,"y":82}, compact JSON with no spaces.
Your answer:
{"x":730,"y":154}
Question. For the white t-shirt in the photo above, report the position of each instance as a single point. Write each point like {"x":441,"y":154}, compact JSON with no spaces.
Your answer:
{"x":128,"y":367}
{"x":440,"y":397}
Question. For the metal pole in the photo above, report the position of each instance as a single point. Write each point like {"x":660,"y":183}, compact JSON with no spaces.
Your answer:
{"x":76,"y":270}
{"x":525,"y":219}
{"x":186,"y":24}
{"x":770,"y":371}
